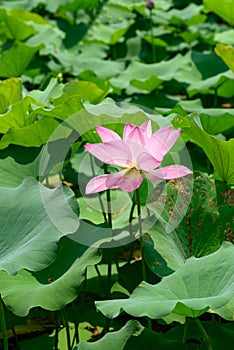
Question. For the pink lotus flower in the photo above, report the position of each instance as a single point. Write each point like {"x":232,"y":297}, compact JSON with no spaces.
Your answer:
{"x":139,"y":153}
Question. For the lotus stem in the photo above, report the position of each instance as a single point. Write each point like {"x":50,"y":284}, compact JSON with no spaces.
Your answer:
{"x":56,"y":331}
{"x":152,"y":37}
{"x":185,"y":331}
{"x":3,"y":324}
{"x":99,"y":197}
{"x":204,"y":334}
{"x":109,"y":214}
{"x":76,"y":336}
{"x":65,"y":319}
{"x":131,"y":217}
{"x":141,"y":235}
{"x":100,"y":278}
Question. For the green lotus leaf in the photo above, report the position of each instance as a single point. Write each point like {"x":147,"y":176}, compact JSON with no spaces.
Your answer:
{"x":13,"y":172}
{"x":108,"y":34}
{"x":46,"y":127}
{"x":223,"y":83}
{"x":52,"y":90}
{"x":33,"y":218}
{"x":87,"y":90}
{"x":17,"y":26}
{"x":167,"y":246}
{"x":212,"y":119}
{"x":190,"y":15}
{"x":33,"y":135}
{"x":147,"y":77}
{"x":227,"y":54}
{"x":224,"y":9}
{"x":25,"y":4}
{"x":200,"y":284}
{"x":225,"y":37}
{"x":14,"y":61}
{"x":226,"y":311}
{"x":18,"y":116}
{"x":53,"y":287}
{"x":77,"y":64}
{"x":219,"y":152}
{"x":10,"y":93}
{"x":132,"y":336}
{"x":48,"y":36}
{"x":78,"y":4}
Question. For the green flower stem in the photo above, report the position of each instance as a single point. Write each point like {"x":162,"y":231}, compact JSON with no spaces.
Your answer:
{"x":100,"y":278}
{"x":109,"y":266}
{"x":204,"y":334}
{"x":109,"y":272}
{"x":215,"y":104}
{"x":185,"y":331}
{"x":65,"y":320}
{"x":109,"y":215}
{"x":76,"y":336}
{"x":15,"y":338}
{"x":152,"y":37}
{"x":130,"y":230}
{"x":143,"y":264}
{"x":3,"y":324}
{"x":141,"y":235}
{"x":99,"y":197}
{"x":131,"y":218}
{"x":56,"y":337}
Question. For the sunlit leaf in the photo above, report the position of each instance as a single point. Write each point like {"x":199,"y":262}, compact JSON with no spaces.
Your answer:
{"x":13,"y":172}
{"x":10,"y":92}
{"x":147,"y":77}
{"x":200,"y":284}
{"x":88,"y":91}
{"x":47,"y":127}
{"x":132,"y":336}
{"x":224,"y":9}
{"x":14,"y":61}
{"x":227,"y":55}
{"x":225,"y":37}
{"x":18,"y":116}
{"x":53,"y":287}
{"x":28,"y":237}
{"x":221,"y":84}
{"x":219,"y":152}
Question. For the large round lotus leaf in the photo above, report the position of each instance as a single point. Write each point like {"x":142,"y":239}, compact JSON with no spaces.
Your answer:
{"x":200,"y":284}
{"x":53,"y":287}
{"x":28,"y":235}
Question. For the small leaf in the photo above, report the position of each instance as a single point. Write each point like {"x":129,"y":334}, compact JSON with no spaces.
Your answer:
{"x":14,"y":61}
{"x":87,"y":90}
{"x":227,"y":55}
{"x":10,"y":93}
{"x":18,"y":115}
